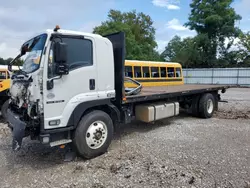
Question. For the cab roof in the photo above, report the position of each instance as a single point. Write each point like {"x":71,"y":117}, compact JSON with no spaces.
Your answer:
{"x":71,"y":32}
{"x":64,"y":31}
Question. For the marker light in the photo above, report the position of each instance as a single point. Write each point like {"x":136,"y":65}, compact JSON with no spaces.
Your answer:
{"x":62,"y":146}
{"x":57,"y":28}
{"x":54,"y":122}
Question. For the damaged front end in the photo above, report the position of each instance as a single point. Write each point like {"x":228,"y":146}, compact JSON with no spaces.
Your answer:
{"x":26,"y":92}
{"x":22,"y":115}
{"x":18,"y":129}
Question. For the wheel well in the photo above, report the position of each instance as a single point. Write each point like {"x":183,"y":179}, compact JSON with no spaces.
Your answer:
{"x":193,"y":101}
{"x":106,"y":108}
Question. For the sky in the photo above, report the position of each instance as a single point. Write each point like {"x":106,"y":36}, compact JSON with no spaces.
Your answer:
{"x":19,"y":20}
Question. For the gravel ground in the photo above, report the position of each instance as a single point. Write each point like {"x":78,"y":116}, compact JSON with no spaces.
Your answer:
{"x":178,"y":152}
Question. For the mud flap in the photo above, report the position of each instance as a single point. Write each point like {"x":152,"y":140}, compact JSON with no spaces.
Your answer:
{"x":18,"y":129}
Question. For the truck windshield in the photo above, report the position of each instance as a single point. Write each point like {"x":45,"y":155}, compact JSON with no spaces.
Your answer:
{"x":33,"y":55}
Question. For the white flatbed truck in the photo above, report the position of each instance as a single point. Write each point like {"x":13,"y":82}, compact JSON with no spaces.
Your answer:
{"x":69,"y":98}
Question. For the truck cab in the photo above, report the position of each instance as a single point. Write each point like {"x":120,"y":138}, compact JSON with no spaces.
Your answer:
{"x":64,"y":74}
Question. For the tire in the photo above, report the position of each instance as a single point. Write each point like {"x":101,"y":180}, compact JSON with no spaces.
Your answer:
{"x":4,"y":109}
{"x":207,"y":106}
{"x":85,"y":142}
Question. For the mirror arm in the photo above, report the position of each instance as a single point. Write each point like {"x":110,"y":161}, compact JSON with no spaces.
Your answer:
{"x":12,"y":62}
{"x":50,"y":82}
{"x":57,"y":77}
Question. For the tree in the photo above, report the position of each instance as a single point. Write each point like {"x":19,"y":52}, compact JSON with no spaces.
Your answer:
{"x":183,"y":51}
{"x":18,"y":62}
{"x":2,"y":61}
{"x":214,"y":21}
{"x":172,"y":49}
{"x":7,"y":61}
{"x":244,"y":48}
{"x":245,"y":41}
{"x":139,"y":30}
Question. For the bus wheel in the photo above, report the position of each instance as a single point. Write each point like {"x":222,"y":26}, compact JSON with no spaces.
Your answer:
{"x":4,"y":109}
{"x":207,"y":105}
{"x":93,"y":134}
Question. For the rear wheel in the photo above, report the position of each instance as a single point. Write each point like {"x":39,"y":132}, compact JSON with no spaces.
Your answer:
{"x":94,"y":134}
{"x":207,"y":105}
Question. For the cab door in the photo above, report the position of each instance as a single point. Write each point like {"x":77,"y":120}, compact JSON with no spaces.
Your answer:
{"x":76,"y":87}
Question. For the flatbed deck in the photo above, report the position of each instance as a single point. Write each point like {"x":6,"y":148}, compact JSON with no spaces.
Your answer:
{"x":154,"y":93}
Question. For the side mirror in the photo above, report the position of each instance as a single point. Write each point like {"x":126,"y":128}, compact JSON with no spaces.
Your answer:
{"x":60,"y":52}
{"x":24,"y":49}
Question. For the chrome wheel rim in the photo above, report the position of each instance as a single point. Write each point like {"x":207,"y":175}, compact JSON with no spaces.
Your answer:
{"x":96,"y":134}
{"x":210,"y":106}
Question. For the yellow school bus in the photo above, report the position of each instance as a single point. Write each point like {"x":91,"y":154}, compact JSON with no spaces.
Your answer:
{"x":5,"y":84}
{"x":5,"y":78}
{"x":151,"y":73}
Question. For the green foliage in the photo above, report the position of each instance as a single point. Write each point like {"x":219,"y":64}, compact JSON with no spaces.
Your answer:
{"x":182,"y":51}
{"x":2,"y":61}
{"x":245,"y":41}
{"x":172,"y":50}
{"x":5,"y":61}
{"x":189,"y":53}
{"x":214,"y":21}
{"x":18,"y":62}
{"x":216,"y":18}
{"x":139,"y":30}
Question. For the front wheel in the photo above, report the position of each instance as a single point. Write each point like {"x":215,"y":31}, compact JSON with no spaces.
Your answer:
{"x":93,"y":134}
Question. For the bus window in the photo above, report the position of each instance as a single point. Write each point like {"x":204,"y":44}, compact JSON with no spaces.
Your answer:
{"x":128,"y":72}
{"x":170,"y":72}
{"x":137,"y":72}
{"x":146,"y":72}
{"x":163,"y":72}
{"x":2,"y":75}
{"x":155,"y":72}
{"x":178,"y":72}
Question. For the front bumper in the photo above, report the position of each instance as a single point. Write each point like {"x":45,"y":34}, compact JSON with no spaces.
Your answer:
{"x":18,"y":129}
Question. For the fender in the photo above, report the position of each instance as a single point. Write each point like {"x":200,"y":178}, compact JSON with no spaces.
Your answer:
{"x":85,"y":106}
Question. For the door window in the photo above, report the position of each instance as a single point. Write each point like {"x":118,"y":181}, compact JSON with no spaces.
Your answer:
{"x":79,"y":54}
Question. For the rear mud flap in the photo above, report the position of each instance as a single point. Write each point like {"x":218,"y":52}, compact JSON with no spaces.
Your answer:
{"x":18,"y":130}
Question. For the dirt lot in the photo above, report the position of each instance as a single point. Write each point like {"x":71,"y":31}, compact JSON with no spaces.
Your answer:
{"x":179,"y":152}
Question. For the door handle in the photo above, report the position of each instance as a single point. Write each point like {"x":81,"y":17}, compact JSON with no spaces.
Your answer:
{"x":92,"y":84}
